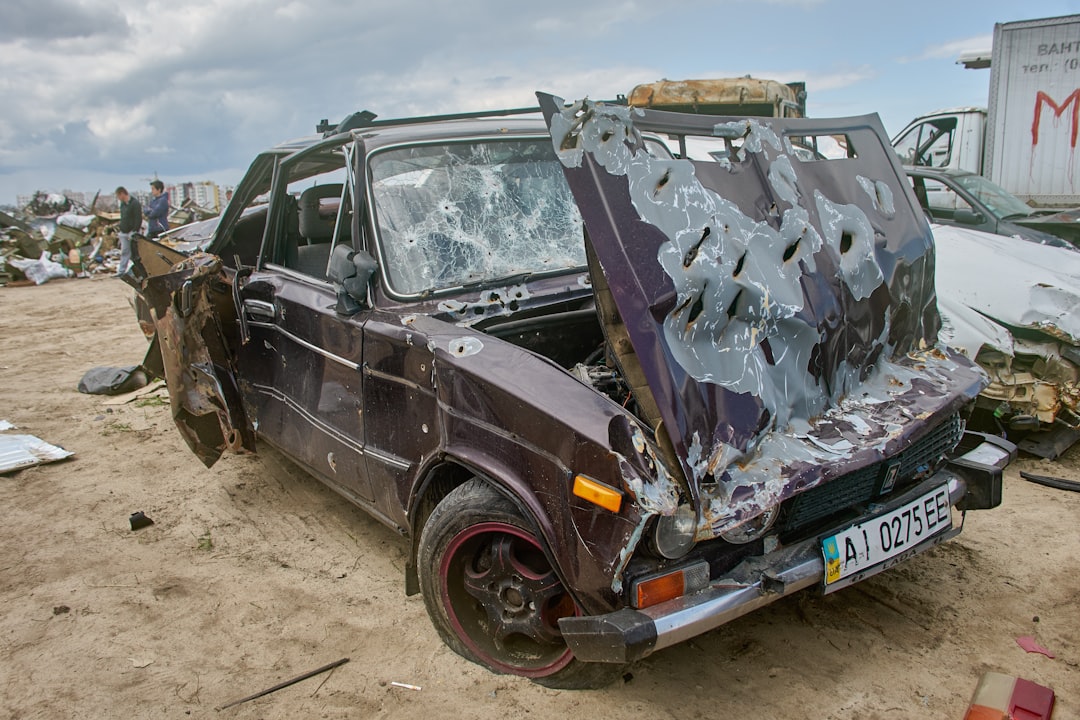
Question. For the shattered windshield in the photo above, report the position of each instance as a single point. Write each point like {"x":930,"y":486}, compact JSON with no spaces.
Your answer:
{"x":473,"y":212}
{"x":996,"y":198}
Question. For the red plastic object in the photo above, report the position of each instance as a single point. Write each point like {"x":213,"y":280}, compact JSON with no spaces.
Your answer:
{"x":1003,"y":697}
{"x":1031,"y":645}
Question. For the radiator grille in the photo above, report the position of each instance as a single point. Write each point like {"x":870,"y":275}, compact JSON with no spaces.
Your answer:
{"x":864,"y":485}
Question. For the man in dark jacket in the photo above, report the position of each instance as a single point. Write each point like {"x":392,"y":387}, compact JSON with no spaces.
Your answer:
{"x":157,"y":212}
{"x":130,"y":222}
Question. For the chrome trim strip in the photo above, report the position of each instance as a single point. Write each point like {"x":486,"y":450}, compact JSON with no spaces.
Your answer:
{"x":328,"y":430}
{"x":304,"y":343}
{"x":387,"y":377}
{"x":345,"y":440}
{"x":721,"y":603}
{"x":388,"y":459}
{"x":315,"y":348}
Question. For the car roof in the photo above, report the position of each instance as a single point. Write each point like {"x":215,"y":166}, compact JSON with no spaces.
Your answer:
{"x":391,"y":132}
{"x":451,"y":129}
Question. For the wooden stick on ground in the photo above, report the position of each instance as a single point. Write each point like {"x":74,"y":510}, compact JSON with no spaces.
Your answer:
{"x":286,"y":683}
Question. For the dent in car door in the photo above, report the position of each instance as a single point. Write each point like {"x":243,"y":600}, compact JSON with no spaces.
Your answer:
{"x":310,"y":404}
{"x":400,"y":407}
{"x":191,"y":306}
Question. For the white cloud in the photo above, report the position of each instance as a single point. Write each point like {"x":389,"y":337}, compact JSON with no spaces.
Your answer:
{"x":128,"y":86}
{"x":952,"y":49}
{"x":839,"y":79}
{"x":426,"y":91}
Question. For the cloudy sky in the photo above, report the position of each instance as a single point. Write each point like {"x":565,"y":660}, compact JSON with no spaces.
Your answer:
{"x":96,"y":92}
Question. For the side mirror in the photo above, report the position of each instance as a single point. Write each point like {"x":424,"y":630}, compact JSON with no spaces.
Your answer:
{"x":351,"y":272}
{"x":965,"y":216}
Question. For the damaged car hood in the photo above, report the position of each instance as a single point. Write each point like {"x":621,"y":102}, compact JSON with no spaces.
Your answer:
{"x":782,"y":310}
{"x":1016,"y":284}
{"x":1065,"y":224}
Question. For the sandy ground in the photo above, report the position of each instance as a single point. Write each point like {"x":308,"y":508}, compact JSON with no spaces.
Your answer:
{"x":255,"y":572}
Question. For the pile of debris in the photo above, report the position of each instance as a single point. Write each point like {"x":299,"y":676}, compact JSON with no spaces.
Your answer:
{"x":53,"y":237}
{"x":189,"y":212}
{"x":68,"y":245}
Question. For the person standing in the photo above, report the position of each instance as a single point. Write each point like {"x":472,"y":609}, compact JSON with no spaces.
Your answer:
{"x":157,"y":212}
{"x":130,"y":222}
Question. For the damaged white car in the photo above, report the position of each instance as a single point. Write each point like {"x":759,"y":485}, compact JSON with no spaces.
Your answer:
{"x":1014,"y":307}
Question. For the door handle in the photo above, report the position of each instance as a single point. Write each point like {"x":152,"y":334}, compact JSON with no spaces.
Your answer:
{"x":260,"y":310}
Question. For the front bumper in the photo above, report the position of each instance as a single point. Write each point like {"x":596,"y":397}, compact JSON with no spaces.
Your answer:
{"x":631,"y":634}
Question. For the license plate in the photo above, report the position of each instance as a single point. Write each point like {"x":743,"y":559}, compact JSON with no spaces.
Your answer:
{"x":874,"y":542}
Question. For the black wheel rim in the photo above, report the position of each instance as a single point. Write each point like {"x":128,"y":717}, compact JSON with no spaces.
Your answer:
{"x":504,"y":599}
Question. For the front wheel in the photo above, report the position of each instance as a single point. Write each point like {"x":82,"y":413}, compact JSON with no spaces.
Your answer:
{"x":493,"y":595}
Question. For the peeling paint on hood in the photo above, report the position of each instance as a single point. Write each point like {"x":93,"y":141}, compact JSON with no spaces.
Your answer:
{"x":492,"y":303}
{"x":783,"y":311}
{"x":465,"y":346}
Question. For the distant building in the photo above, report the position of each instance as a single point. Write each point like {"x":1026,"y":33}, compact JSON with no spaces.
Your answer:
{"x":143,"y":196}
{"x":205,"y":194}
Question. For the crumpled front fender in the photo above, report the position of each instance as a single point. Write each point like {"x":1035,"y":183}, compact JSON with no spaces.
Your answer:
{"x":530,"y":427}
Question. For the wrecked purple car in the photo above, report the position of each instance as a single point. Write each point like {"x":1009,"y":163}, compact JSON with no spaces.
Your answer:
{"x":614,"y":399}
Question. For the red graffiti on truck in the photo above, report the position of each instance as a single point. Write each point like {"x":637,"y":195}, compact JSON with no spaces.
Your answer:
{"x":1041,"y":99}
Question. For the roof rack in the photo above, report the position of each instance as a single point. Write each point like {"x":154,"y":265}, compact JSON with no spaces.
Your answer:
{"x":366,"y":119}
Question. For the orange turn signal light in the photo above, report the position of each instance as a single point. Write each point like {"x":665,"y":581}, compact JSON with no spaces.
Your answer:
{"x":686,"y":580}
{"x":598,"y":493}
{"x":660,"y":589}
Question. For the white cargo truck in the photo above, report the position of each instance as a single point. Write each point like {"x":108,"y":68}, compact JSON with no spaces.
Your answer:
{"x":1026,"y":141}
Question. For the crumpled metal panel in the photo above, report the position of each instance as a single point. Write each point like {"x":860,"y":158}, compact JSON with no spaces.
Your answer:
{"x":991,"y":286}
{"x":23,"y":451}
{"x":1065,"y":224}
{"x":783,"y":310}
{"x":199,"y":372}
{"x":1019,"y":284}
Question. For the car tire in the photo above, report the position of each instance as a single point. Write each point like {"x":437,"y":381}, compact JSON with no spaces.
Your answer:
{"x":494,"y":596}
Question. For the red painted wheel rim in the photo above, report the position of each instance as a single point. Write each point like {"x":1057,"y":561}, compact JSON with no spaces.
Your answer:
{"x":504,"y":599}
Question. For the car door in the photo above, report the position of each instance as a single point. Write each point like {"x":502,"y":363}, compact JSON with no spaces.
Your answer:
{"x":193,"y":313}
{"x":192,"y":304}
{"x":307,"y":397}
{"x":950,"y":205}
{"x":929,"y":144}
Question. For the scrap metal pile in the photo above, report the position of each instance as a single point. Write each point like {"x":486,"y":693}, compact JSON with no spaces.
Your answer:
{"x":53,"y":237}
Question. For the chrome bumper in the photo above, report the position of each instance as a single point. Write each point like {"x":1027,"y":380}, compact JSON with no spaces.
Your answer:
{"x":629,"y":634}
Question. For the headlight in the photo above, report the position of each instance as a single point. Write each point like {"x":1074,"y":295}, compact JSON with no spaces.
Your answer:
{"x":752,"y":529}
{"x":674,"y":534}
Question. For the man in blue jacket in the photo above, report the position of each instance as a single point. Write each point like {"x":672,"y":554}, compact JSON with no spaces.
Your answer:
{"x":157,"y":211}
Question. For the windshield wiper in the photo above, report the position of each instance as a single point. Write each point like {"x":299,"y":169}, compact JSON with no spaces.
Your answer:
{"x":502,"y":281}
{"x":515,"y":279}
